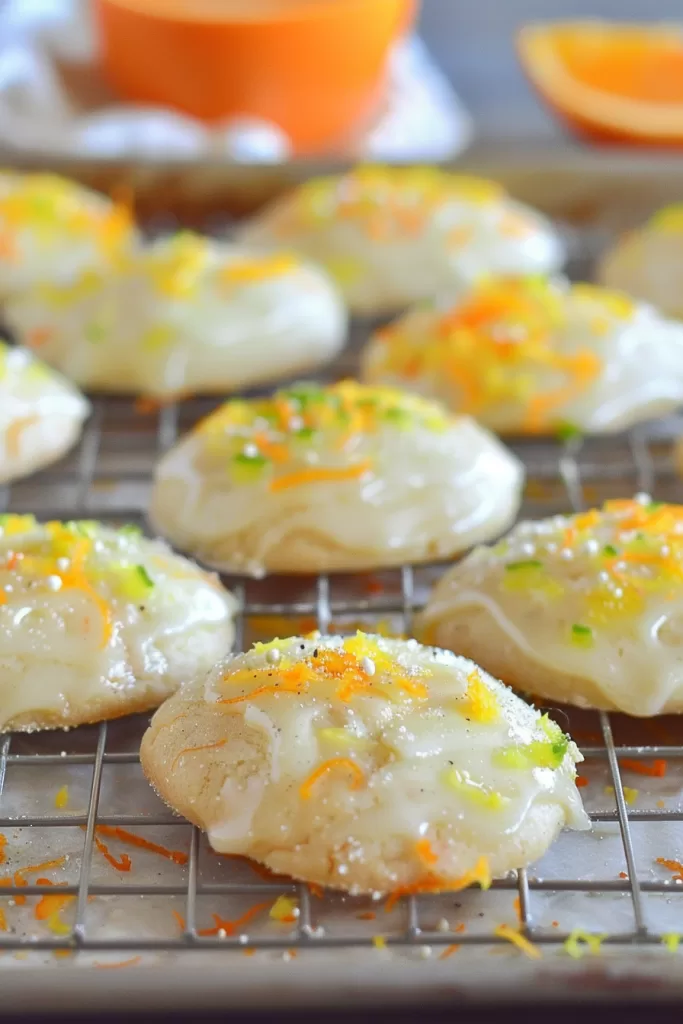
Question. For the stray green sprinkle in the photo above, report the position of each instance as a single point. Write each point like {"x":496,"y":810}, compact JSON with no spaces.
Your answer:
{"x":567,"y":432}
{"x":245,"y":459}
{"x":582,"y":636}
{"x":527,"y":563}
{"x":144,"y":576}
{"x":130,"y":530}
{"x":609,"y":549}
{"x":653,"y":506}
{"x":305,"y":433}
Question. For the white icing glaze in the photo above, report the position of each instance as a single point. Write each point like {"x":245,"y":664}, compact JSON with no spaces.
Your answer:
{"x":413,"y":234}
{"x":604,"y":365}
{"x":174,"y":320}
{"x":72,"y":636}
{"x":614,"y":621}
{"x":41,"y":414}
{"x":408,"y":729}
{"x":426,"y":492}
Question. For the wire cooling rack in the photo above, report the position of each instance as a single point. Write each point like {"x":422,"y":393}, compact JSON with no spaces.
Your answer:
{"x":108,"y":478}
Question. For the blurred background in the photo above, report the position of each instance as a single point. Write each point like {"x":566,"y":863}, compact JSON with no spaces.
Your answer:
{"x":264,"y":80}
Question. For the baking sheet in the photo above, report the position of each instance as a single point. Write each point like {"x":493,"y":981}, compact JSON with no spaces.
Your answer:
{"x":146,"y":921}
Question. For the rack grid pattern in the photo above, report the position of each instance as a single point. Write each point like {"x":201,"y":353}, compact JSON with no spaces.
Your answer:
{"x":115,"y":458}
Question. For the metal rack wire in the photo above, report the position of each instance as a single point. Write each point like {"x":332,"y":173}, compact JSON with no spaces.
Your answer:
{"x":114,"y":462}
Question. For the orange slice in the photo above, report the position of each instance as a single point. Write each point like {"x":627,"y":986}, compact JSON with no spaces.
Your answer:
{"x":612,"y":82}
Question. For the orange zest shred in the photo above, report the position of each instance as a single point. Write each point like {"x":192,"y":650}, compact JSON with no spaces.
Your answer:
{"x":517,"y":907}
{"x":424,"y":850}
{"x":3,"y":921}
{"x":114,"y":832}
{"x":230,"y":927}
{"x":504,"y":931}
{"x":672,"y":865}
{"x":3,"y":844}
{"x":581,"y":781}
{"x":367,"y":915}
{"x":191,"y":750}
{"x":123,"y":864}
{"x":13,"y":434}
{"x":656,"y":770}
{"x":33,"y":869}
{"x":333,"y":764}
{"x":309,"y":476}
{"x":316,"y":890}
{"x":134,"y":960}
{"x":179,"y":919}
{"x":449,"y":951}
{"x":75,"y":578}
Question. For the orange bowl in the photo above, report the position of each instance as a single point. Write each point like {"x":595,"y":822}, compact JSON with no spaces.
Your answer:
{"x":313,"y":67}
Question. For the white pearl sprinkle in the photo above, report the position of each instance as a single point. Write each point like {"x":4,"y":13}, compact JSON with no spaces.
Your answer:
{"x":567,"y":554}
{"x":603,"y":576}
{"x":665,"y":550}
{"x":222,"y":934}
{"x":618,"y":592}
{"x":550,"y":547}
{"x":273,"y":656}
{"x":528,"y":548}
{"x":368,"y":666}
{"x":591,"y":547}
{"x":643,"y":499}
{"x":443,"y":925}
{"x":425,"y":952}
{"x":63,"y":563}
{"x":54,"y":582}
{"x":8,"y":588}
{"x":559,"y":521}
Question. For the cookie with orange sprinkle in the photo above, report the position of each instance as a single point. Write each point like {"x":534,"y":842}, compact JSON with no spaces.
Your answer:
{"x":334,"y":478}
{"x":390,"y":236}
{"x":185,"y":315}
{"x":97,"y":622}
{"x":584,"y":609}
{"x":536,"y":356}
{"x":365,"y":764}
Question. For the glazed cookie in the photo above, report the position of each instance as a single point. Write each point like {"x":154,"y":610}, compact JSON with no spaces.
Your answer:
{"x":187,"y":315}
{"x":53,"y":231}
{"x":584,"y":609}
{"x":648,"y":262}
{"x":96,"y":622}
{"x":41,"y":414}
{"x":364,"y":764}
{"x":392,"y":235}
{"x":335,"y":478}
{"x":536,"y":356}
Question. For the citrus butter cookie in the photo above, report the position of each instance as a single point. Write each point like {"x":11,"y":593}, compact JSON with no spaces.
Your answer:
{"x":41,"y":414}
{"x":364,"y":764}
{"x":334,"y":478}
{"x":393,"y":235}
{"x":96,"y":622}
{"x":536,"y":356}
{"x":53,"y":230}
{"x":186,"y":315}
{"x":584,"y":609}
{"x":648,"y":262}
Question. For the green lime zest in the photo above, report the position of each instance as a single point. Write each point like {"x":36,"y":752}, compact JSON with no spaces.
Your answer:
{"x":527,"y":563}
